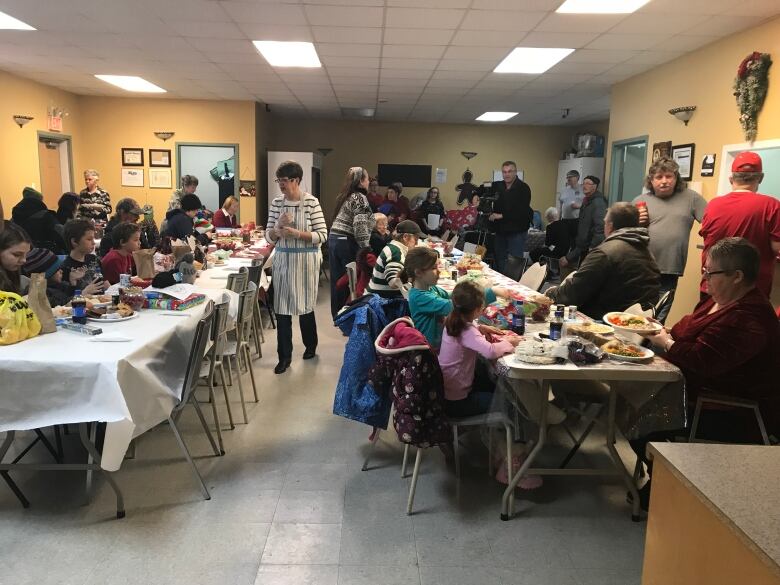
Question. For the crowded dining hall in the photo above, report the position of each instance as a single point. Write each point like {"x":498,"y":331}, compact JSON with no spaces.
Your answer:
{"x":381,"y":292}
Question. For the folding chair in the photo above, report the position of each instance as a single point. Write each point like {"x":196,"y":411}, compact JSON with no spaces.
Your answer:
{"x":534,"y":277}
{"x":214,"y":364}
{"x":191,"y":378}
{"x":728,"y":401}
{"x":237,"y":281}
{"x":352,"y":278}
{"x":238,"y":349}
{"x":666,"y":299}
{"x":515,"y":267}
{"x":265,"y":293}
{"x":255,"y":273}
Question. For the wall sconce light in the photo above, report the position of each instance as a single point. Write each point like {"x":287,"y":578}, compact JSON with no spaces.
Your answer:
{"x":684,"y":114}
{"x":164,"y":135}
{"x":22,"y":120}
{"x":468,"y":155}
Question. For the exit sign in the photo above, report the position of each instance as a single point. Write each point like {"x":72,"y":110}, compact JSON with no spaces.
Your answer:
{"x":55,"y":123}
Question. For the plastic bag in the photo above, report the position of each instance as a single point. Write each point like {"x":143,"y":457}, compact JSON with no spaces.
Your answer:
{"x":17,"y":321}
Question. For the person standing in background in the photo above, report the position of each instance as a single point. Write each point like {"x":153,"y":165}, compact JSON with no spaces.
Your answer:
{"x":373,"y":195}
{"x":297,"y":227}
{"x":189,"y":184}
{"x":745,"y":213}
{"x":349,"y":232}
{"x":570,"y":201}
{"x":668,"y":213}
{"x":95,"y":202}
{"x":512,"y":215}
{"x":432,"y":206}
{"x":590,"y":231}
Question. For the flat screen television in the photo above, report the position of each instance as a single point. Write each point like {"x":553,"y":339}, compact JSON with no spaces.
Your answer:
{"x":407,"y":175}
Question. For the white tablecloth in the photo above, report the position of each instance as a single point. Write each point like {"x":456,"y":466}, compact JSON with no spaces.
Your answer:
{"x":67,"y":378}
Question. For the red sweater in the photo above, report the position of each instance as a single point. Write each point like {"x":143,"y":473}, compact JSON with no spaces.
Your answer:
{"x":734,"y":351}
{"x":114,"y":264}
{"x":223,"y":220}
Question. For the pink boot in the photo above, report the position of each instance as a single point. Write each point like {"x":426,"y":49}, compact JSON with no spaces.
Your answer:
{"x":528,"y":482}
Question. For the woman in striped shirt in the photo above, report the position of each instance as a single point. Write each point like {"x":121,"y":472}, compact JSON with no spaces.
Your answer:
{"x":297,"y":227}
{"x":353,"y":221}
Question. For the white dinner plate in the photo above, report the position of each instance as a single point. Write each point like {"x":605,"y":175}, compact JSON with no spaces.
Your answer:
{"x":648,"y":353}
{"x":652,"y":326}
{"x":97,"y":320}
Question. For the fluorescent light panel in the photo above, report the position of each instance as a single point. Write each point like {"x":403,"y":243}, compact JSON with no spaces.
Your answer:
{"x":288,"y":54}
{"x":8,"y":22}
{"x":601,"y":6}
{"x":131,"y":83}
{"x":496,"y":116}
{"x":531,"y":60}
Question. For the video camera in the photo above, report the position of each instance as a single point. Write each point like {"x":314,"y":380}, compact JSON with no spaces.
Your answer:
{"x":487,"y":199}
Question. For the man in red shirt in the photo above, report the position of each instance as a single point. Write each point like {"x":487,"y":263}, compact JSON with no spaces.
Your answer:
{"x":745,"y":213}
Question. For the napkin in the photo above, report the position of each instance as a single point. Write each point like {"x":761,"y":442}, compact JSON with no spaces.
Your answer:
{"x":109,"y":337}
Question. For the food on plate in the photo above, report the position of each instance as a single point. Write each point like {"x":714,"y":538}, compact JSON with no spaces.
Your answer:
{"x":62,"y":311}
{"x":536,"y":306}
{"x":469,"y":262}
{"x":631,"y":322}
{"x":132,"y":297}
{"x":621,"y":349}
{"x":589,"y":327}
{"x":536,"y":351}
{"x":124,"y":310}
{"x":139,"y":282}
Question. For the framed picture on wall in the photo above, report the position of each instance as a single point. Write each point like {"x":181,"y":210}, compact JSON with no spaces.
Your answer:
{"x":682,"y":154}
{"x":132,"y":157}
{"x":159,"y":157}
{"x":132,"y":177}
{"x":160,"y":178}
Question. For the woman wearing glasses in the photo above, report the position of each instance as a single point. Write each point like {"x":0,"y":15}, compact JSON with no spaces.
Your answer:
{"x":730,"y":346}
{"x":432,"y":206}
{"x":297,"y":227}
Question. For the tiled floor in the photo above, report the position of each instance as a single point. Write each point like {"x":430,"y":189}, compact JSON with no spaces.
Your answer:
{"x":291,"y":506}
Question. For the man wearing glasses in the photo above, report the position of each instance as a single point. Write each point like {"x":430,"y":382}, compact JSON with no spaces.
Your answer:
{"x":512,"y":215}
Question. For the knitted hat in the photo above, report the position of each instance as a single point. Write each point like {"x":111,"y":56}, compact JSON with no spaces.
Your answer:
{"x":30,"y":192}
{"x":42,"y":260}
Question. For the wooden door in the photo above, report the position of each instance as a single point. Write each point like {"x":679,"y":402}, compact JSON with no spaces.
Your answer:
{"x":51,"y":173}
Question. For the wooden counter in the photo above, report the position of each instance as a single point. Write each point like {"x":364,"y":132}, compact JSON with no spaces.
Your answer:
{"x":714,"y":515}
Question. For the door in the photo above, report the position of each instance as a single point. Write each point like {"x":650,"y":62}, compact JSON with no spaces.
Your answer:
{"x":207,"y":162}
{"x":54,"y":162}
{"x":627,"y":176}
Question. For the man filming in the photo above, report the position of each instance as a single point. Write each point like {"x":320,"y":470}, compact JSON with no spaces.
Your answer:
{"x":511,"y":215}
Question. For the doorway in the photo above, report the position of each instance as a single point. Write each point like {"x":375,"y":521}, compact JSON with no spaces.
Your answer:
{"x":216,"y":167}
{"x":627,"y":173}
{"x":56,"y":166}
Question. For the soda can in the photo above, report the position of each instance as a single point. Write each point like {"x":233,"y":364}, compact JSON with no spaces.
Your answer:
{"x":572,"y":312}
{"x":454,"y":274}
{"x":124,"y":280}
{"x":556,"y":330}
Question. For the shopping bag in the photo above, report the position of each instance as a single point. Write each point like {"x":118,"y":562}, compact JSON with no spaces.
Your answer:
{"x":144,"y":263}
{"x":179,"y":249}
{"x":39,"y":303}
{"x":17,"y":321}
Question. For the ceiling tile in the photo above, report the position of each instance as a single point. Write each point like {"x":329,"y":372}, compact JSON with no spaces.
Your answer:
{"x":466,"y":65}
{"x":555,"y":39}
{"x":589,"y":68}
{"x":673,"y":7}
{"x":337,"y":15}
{"x":537,"y":5}
{"x":264,"y":14}
{"x":348,"y":50}
{"x":423,"y":64}
{"x":451,"y":83}
{"x":654,"y":57}
{"x":413,"y":51}
{"x":405,"y":74}
{"x":206,"y":30}
{"x":726,"y":25}
{"x":500,"y":20}
{"x":422,"y":18}
{"x":635,"y":42}
{"x":431,"y":36}
{"x":471,"y":38}
{"x":684,"y":43}
{"x":346,"y":34}
{"x":458,"y":75}
{"x":275,"y":32}
{"x":648,"y":22}
{"x":600,"y":56}
{"x":430,"y":3}
{"x":352,"y":71}
{"x":493,"y":54}
{"x":766,"y":8}
{"x":577,"y":23}
{"x":362,"y":62}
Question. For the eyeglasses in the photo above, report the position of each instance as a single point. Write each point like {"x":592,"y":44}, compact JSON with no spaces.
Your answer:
{"x":707,"y":274}
{"x":282,"y":181}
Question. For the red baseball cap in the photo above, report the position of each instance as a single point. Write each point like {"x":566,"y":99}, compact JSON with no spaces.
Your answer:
{"x":747,"y":162}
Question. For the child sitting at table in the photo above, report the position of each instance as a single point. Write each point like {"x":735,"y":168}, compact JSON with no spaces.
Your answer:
{"x":127,"y":239}
{"x":42,"y":260}
{"x":468,"y":390}
{"x":81,"y":269}
{"x":428,"y":303}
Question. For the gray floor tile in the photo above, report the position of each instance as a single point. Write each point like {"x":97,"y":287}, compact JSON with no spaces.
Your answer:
{"x":609,"y":577}
{"x":303,"y":544}
{"x":297,"y":575}
{"x":316,"y":476}
{"x":378,"y":575}
{"x":314,"y":507}
{"x":539,"y":576}
{"x":389,"y":543}
{"x":603,"y":543}
{"x":459,"y":576}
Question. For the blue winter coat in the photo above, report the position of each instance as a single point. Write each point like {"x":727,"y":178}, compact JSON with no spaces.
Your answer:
{"x":363,"y":321}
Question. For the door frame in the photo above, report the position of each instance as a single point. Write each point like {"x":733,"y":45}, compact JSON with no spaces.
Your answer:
{"x":613,"y":174}
{"x":728,"y":154}
{"x":234,"y":145}
{"x":56,"y":137}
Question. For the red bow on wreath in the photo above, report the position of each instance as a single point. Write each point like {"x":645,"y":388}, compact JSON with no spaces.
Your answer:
{"x":746,"y":63}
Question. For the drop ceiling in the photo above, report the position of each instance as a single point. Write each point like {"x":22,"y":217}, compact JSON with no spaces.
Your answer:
{"x":422,"y":60}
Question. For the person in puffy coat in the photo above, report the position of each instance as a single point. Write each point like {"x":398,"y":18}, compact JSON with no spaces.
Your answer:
{"x":407,"y":367}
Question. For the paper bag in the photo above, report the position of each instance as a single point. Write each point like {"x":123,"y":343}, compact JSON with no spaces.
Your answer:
{"x":192,"y":242}
{"x":179,"y":249}
{"x":144,"y":263}
{"x":39,"y":303}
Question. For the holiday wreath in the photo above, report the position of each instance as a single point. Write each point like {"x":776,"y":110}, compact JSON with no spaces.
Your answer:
{"x":750,"y":87}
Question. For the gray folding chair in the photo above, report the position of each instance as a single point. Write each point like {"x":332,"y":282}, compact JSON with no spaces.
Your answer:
{"x":191,"y":378}
{"x":515,"y":266}
{"x":254,"y":274}
{"x":214,"y":364}
{"x":731,"y":402}
{"x":534,"y":277}
{"x":237,"y":280}
{"x":238,"y":349}
{"x":352,"y":279}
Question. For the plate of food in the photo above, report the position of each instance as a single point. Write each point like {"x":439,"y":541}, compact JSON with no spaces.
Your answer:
{"x":627,"y":352}
{"x":576,"y":327}
{"x":124,"y":312}
{"x":633,"y":323}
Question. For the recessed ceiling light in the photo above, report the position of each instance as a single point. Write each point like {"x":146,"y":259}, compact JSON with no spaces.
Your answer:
{"x":601,"y":6}
{"x":531,"y":60}
{"x":131,"y":83}
{"x":8,"y":22}
{"x":496,"y":116}
{"x":288,"y":54}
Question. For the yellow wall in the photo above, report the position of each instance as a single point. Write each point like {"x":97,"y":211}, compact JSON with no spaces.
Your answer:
{"x":19,"y":147}
{"x":113,"y":123}
{"x":703,"y":78}
{"x":536,"y":149}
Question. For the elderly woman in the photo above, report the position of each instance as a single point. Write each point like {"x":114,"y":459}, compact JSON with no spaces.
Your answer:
{"x":225,"y":217}
{"x":557,"y":238}
{"x":729,"y":345}
{"x":380,"y":235}
{"x":432,"y":206}
{"x":350,"y":231}
{"x":95,"y":202}
{"x":297,"y":227}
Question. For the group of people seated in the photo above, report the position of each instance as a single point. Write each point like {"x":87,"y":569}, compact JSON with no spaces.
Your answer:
{"x":62,"y":244}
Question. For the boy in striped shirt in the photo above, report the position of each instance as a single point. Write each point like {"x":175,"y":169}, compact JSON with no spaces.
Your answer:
{"x":384,"y":280}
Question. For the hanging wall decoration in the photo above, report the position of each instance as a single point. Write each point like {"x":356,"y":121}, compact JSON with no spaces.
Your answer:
{"x":750,"y":87}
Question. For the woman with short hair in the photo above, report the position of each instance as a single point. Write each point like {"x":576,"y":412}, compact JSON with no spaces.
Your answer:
{"x":95,"y":202}
{"x":297,"y":227}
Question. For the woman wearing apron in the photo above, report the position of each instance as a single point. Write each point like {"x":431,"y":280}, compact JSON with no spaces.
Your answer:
{"x":297,"y":227}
